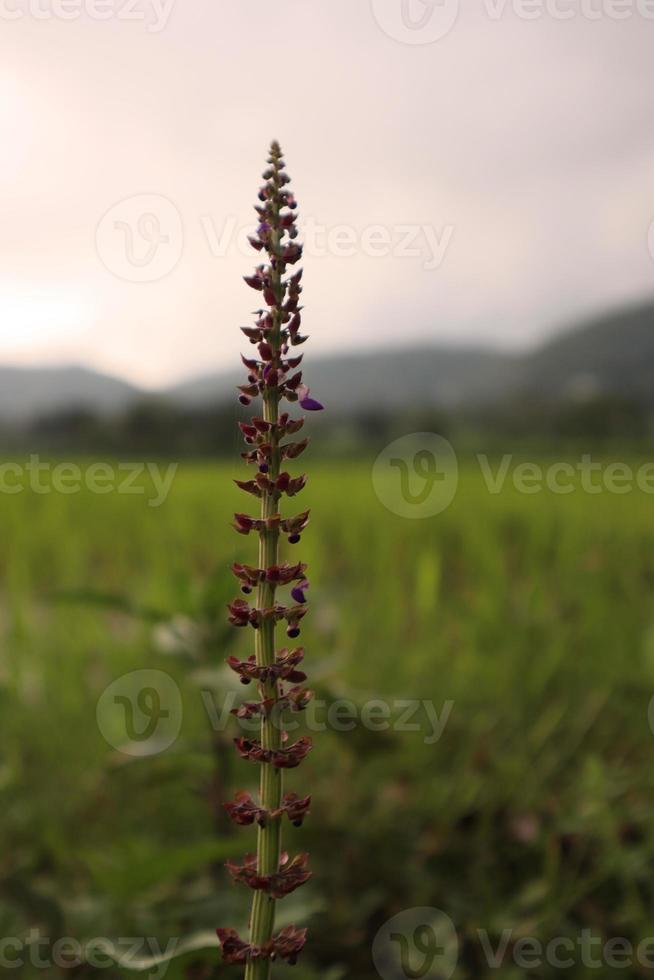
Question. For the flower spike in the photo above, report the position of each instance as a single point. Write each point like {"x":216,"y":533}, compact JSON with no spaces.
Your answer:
{"x":274,"y":376}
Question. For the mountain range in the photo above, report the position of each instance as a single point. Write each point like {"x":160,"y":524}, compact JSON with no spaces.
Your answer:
{"x":612,"y":354}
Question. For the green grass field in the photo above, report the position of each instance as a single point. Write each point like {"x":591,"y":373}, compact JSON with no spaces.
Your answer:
{"x":532,"y":617}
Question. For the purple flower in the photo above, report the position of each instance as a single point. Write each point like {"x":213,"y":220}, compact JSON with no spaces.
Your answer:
{"x":308,"y":403}
{"x":298,"y":591}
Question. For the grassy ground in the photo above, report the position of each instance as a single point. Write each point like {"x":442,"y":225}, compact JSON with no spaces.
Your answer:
{"x":525,"y":621}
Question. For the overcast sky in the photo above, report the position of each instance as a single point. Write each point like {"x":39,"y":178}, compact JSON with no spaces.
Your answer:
{"x":482,"y":174}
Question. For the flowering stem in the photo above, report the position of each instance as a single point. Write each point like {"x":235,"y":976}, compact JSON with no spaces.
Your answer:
{"x":269,"y":873}
{"x":262,"y":920}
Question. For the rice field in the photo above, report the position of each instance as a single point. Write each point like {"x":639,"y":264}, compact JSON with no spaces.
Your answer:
{"x":482,"y":726}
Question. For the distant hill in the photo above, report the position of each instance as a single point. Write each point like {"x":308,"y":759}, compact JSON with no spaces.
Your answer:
{"x":607,"y":355}
{"x":426,"y":376}
{"x":611,"y":354}
{"x":28,"y":392}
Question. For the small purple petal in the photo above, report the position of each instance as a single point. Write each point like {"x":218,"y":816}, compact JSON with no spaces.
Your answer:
{"x":311,"y":405}
{"x":306,"y":401}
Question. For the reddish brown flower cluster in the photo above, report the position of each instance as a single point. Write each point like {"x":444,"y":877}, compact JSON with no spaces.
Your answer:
{"x":273,"y":376}
{"x":241,"y":613}
{"x":286,"y":945}
{"x":292,"y":526}
{"x":291,"y":875}
{"x":295,"y":699}
{"x":283,"y":669}
{"x":288,"y":758}
{"x":244,"y":810}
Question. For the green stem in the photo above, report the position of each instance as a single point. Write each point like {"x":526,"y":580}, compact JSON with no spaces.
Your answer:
{"x":262,"y":921}
{"x":269,"y":836}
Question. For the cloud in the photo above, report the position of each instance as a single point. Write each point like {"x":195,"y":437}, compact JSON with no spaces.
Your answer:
{"x":529,"y":138}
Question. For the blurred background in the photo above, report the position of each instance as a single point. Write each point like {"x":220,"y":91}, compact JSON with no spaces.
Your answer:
{"x":476,"y":191}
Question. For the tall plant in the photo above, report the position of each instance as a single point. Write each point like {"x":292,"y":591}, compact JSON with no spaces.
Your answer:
{"x":273,"y":377}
